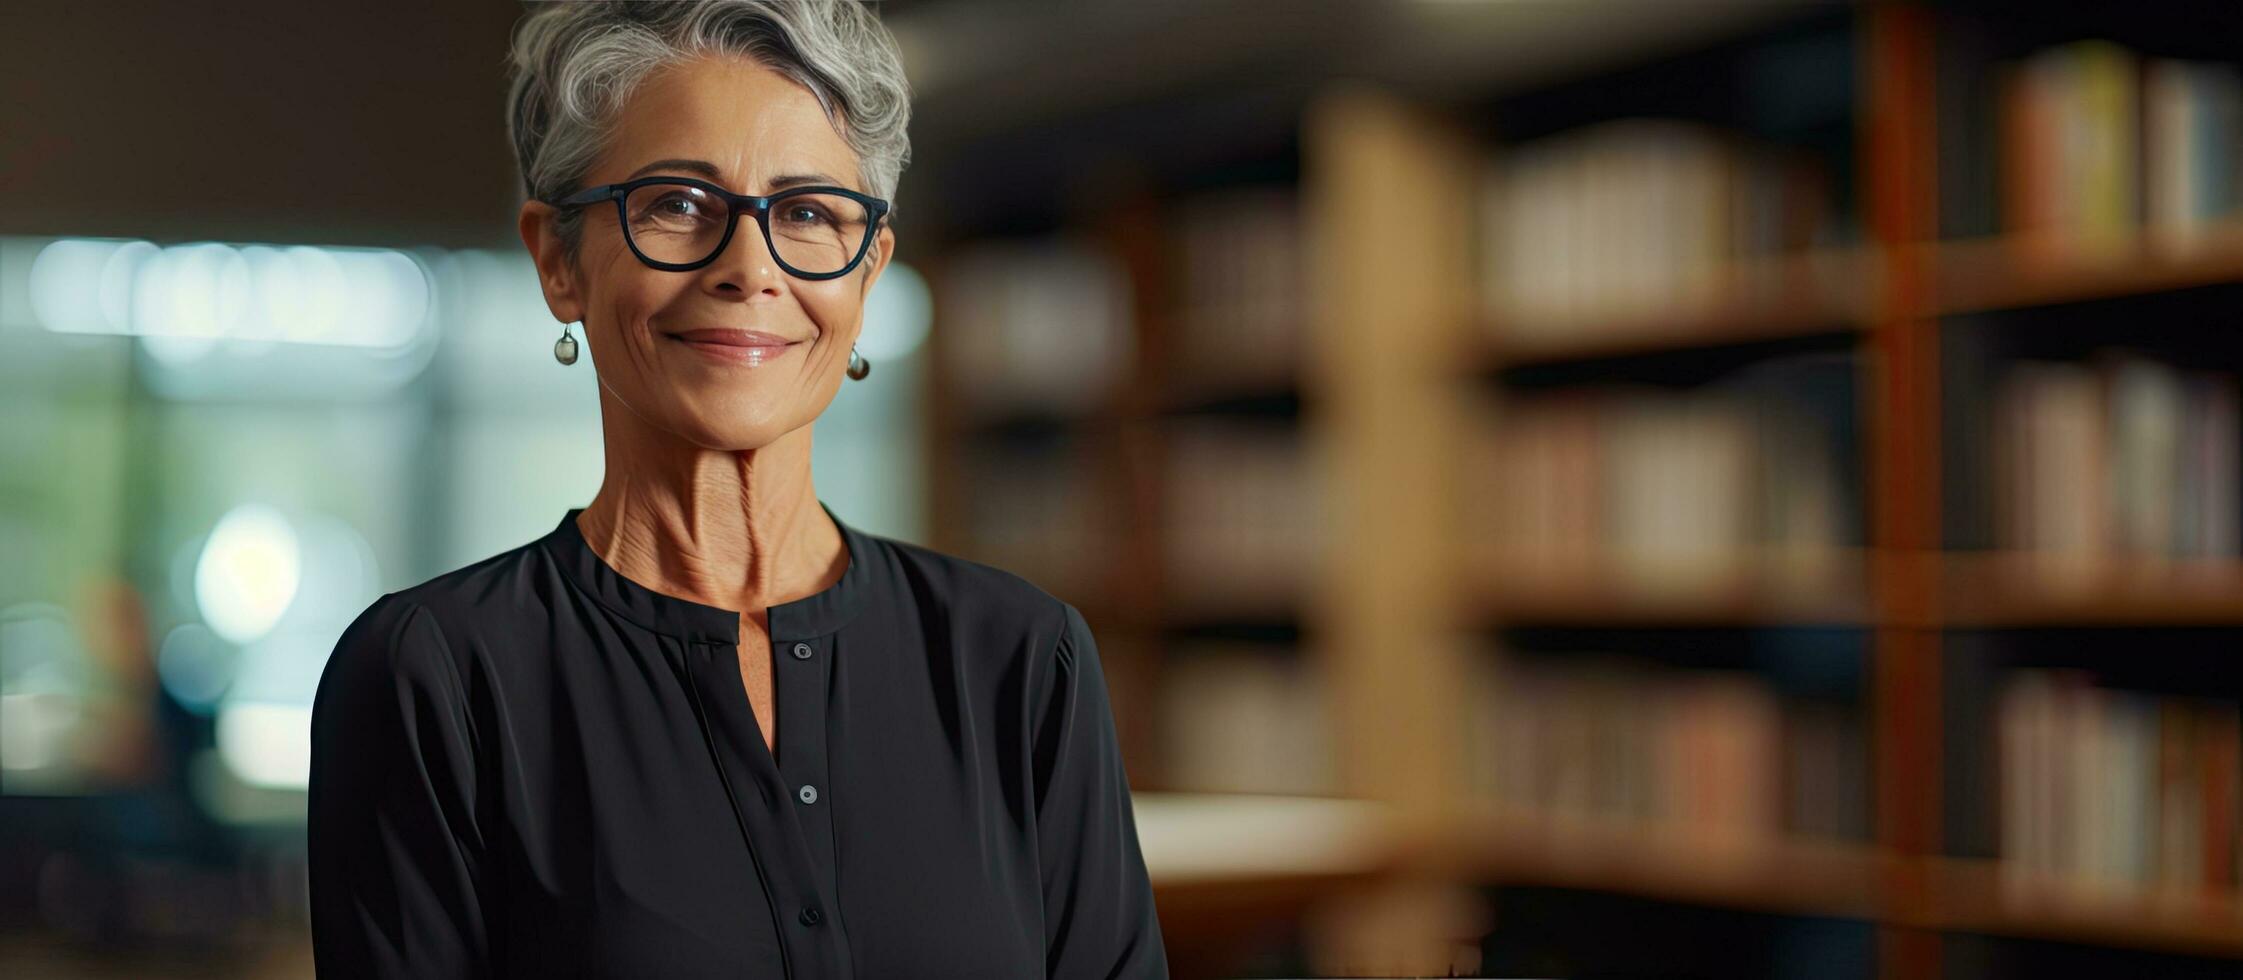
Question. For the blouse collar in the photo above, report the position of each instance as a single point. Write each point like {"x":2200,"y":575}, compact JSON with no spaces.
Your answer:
{"x":810,"y":616}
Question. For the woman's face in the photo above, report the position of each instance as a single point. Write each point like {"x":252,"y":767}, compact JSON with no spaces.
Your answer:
{"x":754,"y":129}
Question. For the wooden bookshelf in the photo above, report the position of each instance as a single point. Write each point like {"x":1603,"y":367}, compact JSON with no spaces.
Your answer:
{"x":1386,"y":613}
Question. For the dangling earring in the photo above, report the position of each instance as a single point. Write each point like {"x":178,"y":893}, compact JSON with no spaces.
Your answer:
{"x":564,"y":349}
{"x":858,"y":366}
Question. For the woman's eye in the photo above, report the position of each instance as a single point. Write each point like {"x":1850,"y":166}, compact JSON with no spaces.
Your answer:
{"x":805,"y":215}
{"x":674,"y":208}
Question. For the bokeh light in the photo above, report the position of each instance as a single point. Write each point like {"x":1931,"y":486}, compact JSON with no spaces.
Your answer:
{"x":248,"y":572}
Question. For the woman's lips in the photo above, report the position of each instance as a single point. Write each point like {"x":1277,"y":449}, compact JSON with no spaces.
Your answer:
{"x":749,"y":347}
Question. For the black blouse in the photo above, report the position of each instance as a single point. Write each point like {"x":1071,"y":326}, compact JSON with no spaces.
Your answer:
{"x":533,"y":766}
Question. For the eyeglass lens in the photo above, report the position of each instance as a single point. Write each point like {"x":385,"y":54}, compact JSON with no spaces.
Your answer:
{"x":812,"y":233}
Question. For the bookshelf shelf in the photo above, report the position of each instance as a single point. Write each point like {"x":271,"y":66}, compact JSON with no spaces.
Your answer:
{"x":1790,"y":875}
{"x":2026,"y":589}
{"x":1805,"y":876}
{"x":1186,"y":618}
{"x":1830,"y":293}
{"x":1192,"y":839}
{"x":1274,"y":605}
{"x":1264,"y":391}
{"x":1024,"y":423}
{"x":2012,"y":271}
{"x":1226,"y":865}
{"x":1747,"y":301}
{"x":1975,"y":588}
{"x":1985,"y":896}
{"x":1990,"y":273}
{"x":1269,"y":394}
{"x":1766,"y":591}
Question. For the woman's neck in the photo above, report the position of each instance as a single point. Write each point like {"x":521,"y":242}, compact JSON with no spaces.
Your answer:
{"x":738,"y":530}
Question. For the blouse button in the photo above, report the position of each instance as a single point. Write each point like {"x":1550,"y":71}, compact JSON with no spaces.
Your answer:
{"x":802,"y":651}
{"x":809,"y":793}
{"x":811,"y":916}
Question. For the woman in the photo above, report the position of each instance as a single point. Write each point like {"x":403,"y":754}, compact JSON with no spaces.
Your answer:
{"x":704,"y":727}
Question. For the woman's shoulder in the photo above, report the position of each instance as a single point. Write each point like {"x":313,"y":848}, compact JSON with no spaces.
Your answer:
{"x":995,"y":611}
{"x":418,"y":627}
{"x":974,"y":592}
{"x":468,"y":589}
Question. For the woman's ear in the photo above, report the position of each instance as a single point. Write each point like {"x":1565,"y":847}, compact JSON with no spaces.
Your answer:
{"x":876,"y":261}
{"x":556,"y":275}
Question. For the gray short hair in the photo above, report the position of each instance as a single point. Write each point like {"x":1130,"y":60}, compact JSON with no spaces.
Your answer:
{"x":576,"y":62}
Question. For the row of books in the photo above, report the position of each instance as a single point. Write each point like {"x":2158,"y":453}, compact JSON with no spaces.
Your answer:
{"x":1616,"y":221}
{"x":1592,"y":229}
{"x":1043,"y":514}
{"x":1660,"y":490}
{"x":1049,"y":325}
{"x":1039,"y":326}
{"x":1718,"y":754}
{"x":2120,"y":456}
{"x":1238,"y":513}
{"x":2116,"y":786}
{"x":1237,"y":259}
{"x":2100,"y":142}
{"x":1244,"y":718}
{"x":2117,"y":459}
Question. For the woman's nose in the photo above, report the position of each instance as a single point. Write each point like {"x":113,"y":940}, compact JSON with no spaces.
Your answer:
{"x":745,"y":261}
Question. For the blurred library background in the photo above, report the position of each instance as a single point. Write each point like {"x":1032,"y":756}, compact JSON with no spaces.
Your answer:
{"x":1593,"y":488}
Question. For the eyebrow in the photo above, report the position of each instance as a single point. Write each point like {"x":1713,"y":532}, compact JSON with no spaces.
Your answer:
{"x":709,"y":170}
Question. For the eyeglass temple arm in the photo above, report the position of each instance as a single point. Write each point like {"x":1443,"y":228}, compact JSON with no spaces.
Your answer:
{"x":589,"y":195}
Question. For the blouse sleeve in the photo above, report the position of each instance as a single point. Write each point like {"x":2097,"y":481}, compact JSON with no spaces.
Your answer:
{"x":1099,"y":919}
{"x":394,"y":848}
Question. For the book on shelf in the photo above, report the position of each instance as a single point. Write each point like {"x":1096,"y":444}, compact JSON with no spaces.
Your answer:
{"x":2192,"y":121}
{"x":1717,"y":755}
{"x":1613,"y":223}
{"x":1240,"y":514}
{"x":1736,"y":484}
{"x":2108,"y":787}
{"x":1244,"y":718}
{"x":1042,"y":326}
{"x":2100,"y":142}
{"x":2121,"y":459}
{"x":1238,"y":257}
{"x":1532,"y":499}
{"x":1040,"y":514}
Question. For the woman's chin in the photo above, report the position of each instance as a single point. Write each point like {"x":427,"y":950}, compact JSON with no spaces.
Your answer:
{"x":730,"y":425}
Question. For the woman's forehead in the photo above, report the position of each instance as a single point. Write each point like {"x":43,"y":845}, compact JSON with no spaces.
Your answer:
{"x":749,"y":123}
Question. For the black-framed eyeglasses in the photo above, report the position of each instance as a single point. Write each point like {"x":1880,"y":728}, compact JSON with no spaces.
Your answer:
{"x":679,"y":224}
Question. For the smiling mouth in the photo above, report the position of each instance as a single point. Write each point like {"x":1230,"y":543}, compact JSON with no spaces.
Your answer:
{"x":736,"y":346}
{"x":757,"y":345}
{"x":725,"y":337}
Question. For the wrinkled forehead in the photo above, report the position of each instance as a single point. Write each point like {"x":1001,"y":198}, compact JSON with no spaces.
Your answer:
{"x":751,"y":124}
